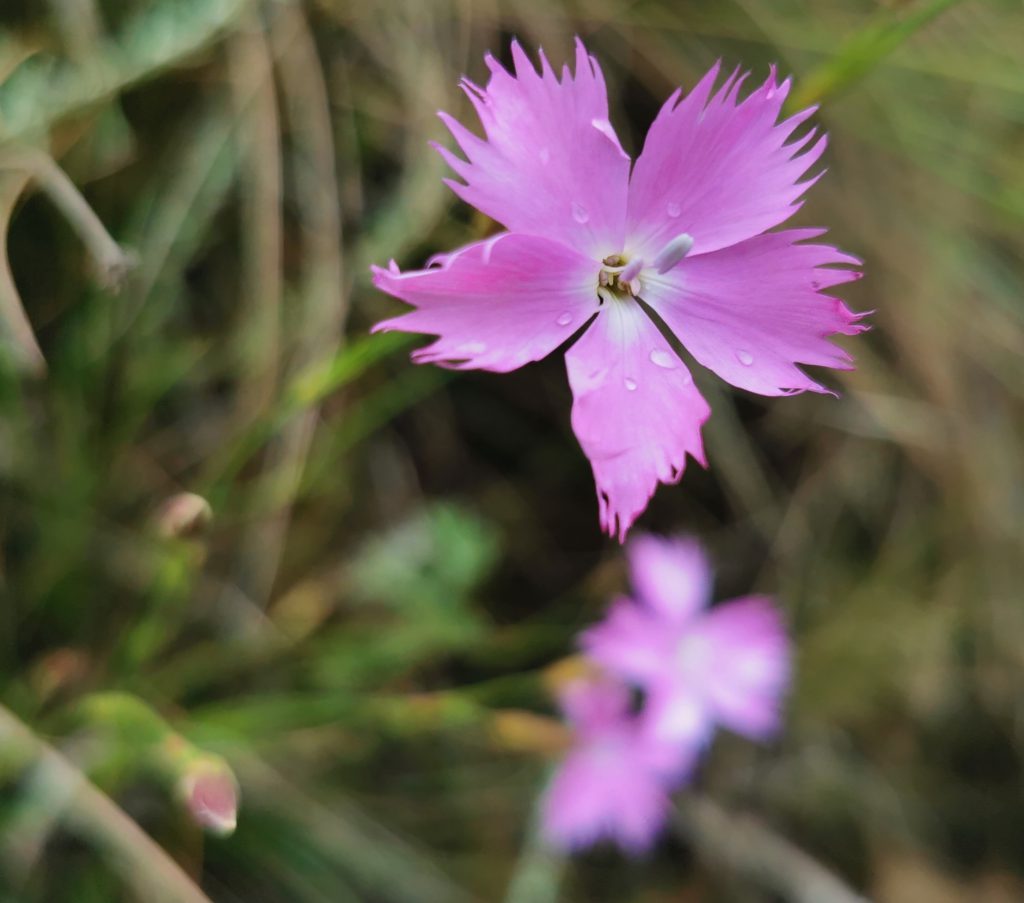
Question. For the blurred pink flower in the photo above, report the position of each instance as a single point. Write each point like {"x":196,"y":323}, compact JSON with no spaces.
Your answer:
{"x":613,"y":784}
{"x":699,"y":668}
{"x":588,"y":239}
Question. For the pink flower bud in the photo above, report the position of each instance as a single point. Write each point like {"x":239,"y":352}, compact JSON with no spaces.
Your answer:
{"x":210,"y":794}
{"x":184,"y":514}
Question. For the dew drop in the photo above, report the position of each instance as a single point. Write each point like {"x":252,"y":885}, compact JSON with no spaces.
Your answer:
{"x":545,"y":155}
{"x":745,"y":358}
{"x":579,"y":213}
{"x":662,"y":358}
{"x":673,"y":209}
{"x":630,"y":384}
{"x":565,"y":319}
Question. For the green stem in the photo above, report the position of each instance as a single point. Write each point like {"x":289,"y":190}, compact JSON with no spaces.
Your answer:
{"x":142,"y":863}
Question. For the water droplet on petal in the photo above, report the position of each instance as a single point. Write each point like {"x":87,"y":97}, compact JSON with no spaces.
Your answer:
{"x":565,"y":319}
{"x":579,"y":213}
{"x":545,"y":155}
{"x":630,"y":384}
{"x":685,"y":378}
{"x":662,"y":358}
{"x":673,"y":209}
{"x":745,"y":358}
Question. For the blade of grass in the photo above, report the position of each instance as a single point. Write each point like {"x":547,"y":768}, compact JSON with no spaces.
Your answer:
{"x":861,"y":53}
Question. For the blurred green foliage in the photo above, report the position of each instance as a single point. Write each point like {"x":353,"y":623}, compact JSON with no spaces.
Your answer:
{"x":399,"y":558}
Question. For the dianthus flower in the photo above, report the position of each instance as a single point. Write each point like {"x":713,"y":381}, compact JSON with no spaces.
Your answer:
{"x":614,"y":782}
{"x":698,"y":667}
{"x":592,"y":247}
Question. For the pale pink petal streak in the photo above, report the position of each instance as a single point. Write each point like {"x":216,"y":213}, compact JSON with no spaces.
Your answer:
{"x":753,"y":311}
{"x":678,"y":713}
{"x":635,"y":411}
{"x":672,"y":576}
{"x":550,"y":163}
{"x":495,"y":305}
{"x":719,"y":168}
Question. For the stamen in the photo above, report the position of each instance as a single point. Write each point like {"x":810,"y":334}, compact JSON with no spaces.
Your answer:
{"x":673,"y":252}
{"x":632,"y":269}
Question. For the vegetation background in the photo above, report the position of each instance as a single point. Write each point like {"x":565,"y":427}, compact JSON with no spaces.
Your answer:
{"x":369,"y":627}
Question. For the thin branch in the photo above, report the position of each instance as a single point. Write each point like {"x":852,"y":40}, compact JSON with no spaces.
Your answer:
{"x":12,"y":311}
{"x":113,"y":263}
{"x":142,"y":863}
{"x":748,"y":847}
{"x":537,"y":875}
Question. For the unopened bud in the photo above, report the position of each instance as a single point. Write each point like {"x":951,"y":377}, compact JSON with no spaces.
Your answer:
{"x":210,"y":795}
{"x":183,"y":515}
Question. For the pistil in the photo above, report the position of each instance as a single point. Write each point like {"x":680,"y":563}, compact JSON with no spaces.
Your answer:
{"x":673,"y":252}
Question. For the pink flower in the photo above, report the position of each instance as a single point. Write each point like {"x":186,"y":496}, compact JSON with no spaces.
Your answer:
{"x":699,"y":668}
{"x":613,"y":784}
{"x":588,"y":240}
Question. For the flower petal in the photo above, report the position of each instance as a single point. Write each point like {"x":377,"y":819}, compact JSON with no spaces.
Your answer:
{"x":636,"y":411}
{"x":718,"y":168}
{"x":550,"y":163}
{"x":593,"y":705}
{"x":753,"y":311}
{"x":672,"y":576}
{"x":604,"y":792}
{"x":631,"y":642}
{"x":495,"y":305}
{"x":750,"y":664}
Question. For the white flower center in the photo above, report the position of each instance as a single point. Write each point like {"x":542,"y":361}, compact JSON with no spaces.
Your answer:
{"x":619,"y":277}
{"x":693,"y":654}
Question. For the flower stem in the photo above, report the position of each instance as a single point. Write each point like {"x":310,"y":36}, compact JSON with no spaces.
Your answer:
{"x":142,"y":863}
